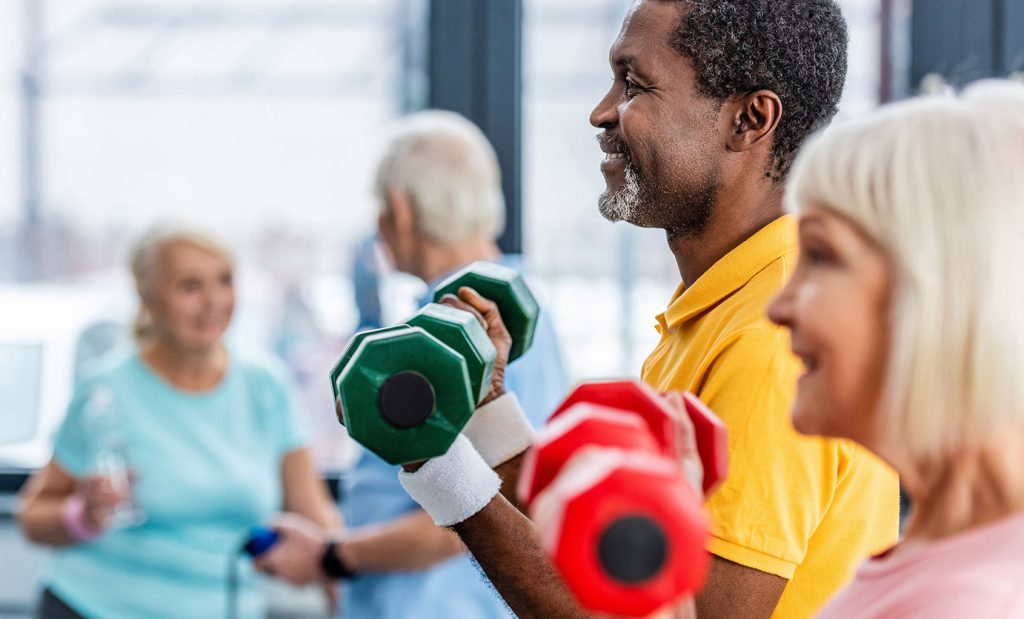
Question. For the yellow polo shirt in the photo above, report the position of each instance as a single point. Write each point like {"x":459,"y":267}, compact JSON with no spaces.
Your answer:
{"x":806,"y":509}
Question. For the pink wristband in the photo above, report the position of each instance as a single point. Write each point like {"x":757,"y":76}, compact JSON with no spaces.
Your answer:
{"x":72,"y":514}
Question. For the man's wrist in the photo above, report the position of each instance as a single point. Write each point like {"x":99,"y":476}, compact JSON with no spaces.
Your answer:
{"x":499,"y":430}
{"x":332,"y":564}
{"x":493,"y":395}
{"x":454,"y":486}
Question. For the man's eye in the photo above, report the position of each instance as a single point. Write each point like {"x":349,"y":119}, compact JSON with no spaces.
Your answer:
{"x":817,"y":256}
{"x":631,"y":87}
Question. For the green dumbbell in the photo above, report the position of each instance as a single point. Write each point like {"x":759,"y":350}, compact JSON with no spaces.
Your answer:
{"x":459,"y":330}
{"x":405,"y":395}
{"x":462,"y":332}
{"x":347,"y":354}
{"x":506,"y":288}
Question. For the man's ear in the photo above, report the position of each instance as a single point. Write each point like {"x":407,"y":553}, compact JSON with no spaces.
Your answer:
{"x":753,"y":118}
{"x":399,"y":208}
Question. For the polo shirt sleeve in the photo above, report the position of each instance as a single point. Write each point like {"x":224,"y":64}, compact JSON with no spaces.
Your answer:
{"x":780,"y":483}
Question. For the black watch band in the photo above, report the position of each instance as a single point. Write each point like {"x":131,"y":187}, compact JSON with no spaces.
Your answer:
{"x":332,"y":565}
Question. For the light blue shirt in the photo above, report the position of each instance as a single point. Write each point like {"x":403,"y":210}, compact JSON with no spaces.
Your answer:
{"x":208,"y":468}
{"x":455,"y":589}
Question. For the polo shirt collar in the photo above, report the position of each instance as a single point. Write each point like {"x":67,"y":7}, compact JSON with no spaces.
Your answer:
{"x":732,"y":271}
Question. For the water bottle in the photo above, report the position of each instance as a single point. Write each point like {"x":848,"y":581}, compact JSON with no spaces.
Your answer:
{"x":109,"y":457}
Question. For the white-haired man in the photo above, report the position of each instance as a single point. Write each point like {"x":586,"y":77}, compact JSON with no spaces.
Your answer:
{"x":439,"y":187}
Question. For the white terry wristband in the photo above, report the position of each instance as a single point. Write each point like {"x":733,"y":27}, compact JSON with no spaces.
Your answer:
{"x":499,"y":430}
{"x":452,"y":487}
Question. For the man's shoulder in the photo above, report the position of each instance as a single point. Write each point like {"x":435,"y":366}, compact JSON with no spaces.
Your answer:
{"x":745,"y":310}
{"x":766,"y":282}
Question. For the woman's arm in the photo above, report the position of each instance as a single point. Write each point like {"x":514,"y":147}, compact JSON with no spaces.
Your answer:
{"x":40,"y":503}
{"x":410,"y":542}
{"x":43,"y":501}
{"x":305,"y":492}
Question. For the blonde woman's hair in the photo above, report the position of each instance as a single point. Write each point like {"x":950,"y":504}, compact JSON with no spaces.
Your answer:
{"x":450,"y":172}
{"x":146,"y":261}
{"x":938,"y":184}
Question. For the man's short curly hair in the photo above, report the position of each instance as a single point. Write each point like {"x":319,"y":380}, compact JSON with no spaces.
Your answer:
{"x":795,"y":48}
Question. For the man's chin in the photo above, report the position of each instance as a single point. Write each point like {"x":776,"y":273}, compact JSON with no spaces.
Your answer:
{"x":610,"y":208}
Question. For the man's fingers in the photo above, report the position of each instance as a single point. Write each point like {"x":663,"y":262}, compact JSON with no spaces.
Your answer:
{"x":686,"y":436}
{"x":264,"y":563}
{"x":454,"y":301}
{"x":683,"y":421}
{"x":331,"y":593}
{"x":486,"y":307}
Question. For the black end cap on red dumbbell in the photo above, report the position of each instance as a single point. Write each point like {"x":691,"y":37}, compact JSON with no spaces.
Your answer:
{"x":406,"y":399}
{"x":633,"y":549}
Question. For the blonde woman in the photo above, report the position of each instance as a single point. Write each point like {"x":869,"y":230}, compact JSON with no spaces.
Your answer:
{"x":907,"y":309}
{"x":215,"y":444}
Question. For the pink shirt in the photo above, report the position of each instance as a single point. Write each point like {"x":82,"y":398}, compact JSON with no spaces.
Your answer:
{"x":976,"y":574}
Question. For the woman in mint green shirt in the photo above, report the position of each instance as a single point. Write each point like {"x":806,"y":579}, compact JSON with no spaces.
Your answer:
{"x":215,"y":444}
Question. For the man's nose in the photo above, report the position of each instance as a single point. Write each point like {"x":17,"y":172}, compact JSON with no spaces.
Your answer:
{"x":606,"y":114}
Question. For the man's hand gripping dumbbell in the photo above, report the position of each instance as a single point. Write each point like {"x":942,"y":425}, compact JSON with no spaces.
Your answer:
{"x":622,"y":520}
{"x":459,"y":488}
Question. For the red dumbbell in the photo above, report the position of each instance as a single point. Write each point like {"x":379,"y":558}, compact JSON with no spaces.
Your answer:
{"x":625,"y":530}
{"x":582,"y":425}
{"x":640,"y":399}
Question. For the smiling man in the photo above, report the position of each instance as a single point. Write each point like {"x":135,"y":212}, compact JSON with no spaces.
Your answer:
{"x":711,"y":99}
{"x":709,"y":103}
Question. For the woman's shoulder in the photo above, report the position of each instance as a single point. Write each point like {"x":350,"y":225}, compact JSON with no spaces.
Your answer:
{"x":112,"y":367}
{"x":262,"y":368}
{"x":256,"y":361}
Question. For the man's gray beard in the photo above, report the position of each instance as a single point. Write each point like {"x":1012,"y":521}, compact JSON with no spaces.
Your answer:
{"x":623,"y":204}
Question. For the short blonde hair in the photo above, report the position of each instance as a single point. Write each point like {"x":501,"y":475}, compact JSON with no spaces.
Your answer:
{"x":938,"y":184}
{"x":450,"y":172}
{"x":148,"y":251}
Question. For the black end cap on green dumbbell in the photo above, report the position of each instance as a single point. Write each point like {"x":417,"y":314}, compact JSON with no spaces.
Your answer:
{"x":406,"y":399}
{"x":506,"y":287}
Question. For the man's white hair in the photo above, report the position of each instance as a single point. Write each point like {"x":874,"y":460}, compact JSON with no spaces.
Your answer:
{"x":444,"y":164}
{"x":938,"y":184}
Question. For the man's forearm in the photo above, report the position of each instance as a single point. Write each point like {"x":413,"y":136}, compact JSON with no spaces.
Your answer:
{"x":410,"y":542}
{"x":509,"y":474}
{"x":505,"y":544}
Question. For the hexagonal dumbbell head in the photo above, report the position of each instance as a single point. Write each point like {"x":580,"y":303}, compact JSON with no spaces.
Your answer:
{"x":635,"y":396}
{"x":582,"y":425}
{"x":464,"y":334}
{"x":346,"y":356}
{"x":519,"y":310}
{"x":625,"y":530}
{"x":405,"y":395}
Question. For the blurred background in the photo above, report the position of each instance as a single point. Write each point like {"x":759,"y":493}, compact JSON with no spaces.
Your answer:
{"x":263,"y":120}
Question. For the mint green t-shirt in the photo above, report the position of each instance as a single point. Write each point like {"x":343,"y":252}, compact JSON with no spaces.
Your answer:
{"x":207,"y":467}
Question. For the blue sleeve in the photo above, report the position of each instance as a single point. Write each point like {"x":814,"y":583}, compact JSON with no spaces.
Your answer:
{"x":538,"y":377}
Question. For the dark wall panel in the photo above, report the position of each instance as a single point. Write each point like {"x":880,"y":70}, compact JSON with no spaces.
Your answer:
{"x":966,"y":40}
{"x":475,"y":70}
